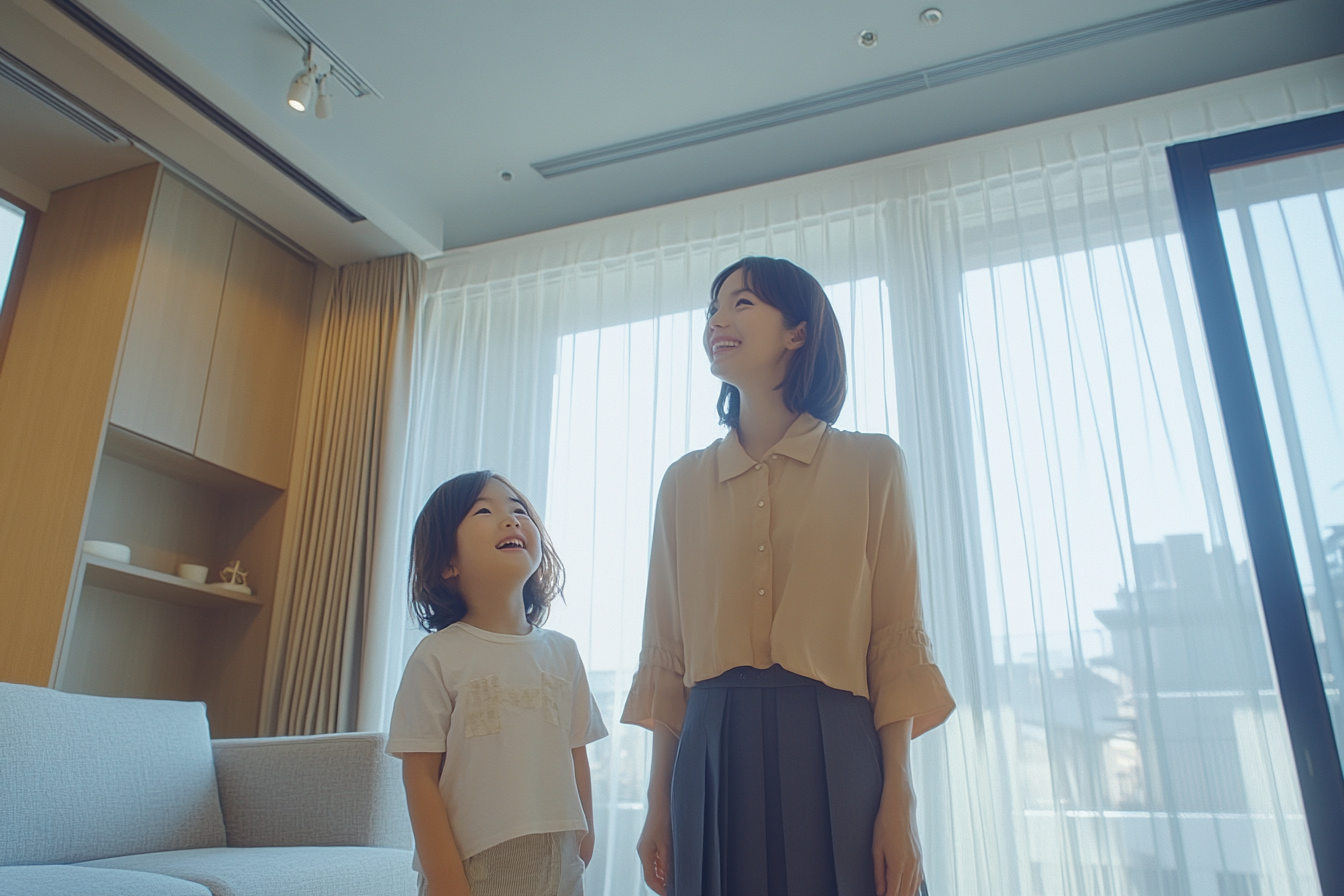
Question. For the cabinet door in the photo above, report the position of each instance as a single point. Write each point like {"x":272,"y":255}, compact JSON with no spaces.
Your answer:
{"x":247,"y":420}
{"x":166,"y":357}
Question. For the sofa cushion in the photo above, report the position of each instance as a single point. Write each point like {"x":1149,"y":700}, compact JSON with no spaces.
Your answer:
{"x":283,"y":870}
{"x":76,"y":880}
{"x":88,"y":777}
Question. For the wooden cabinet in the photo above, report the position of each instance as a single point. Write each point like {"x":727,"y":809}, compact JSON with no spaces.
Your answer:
{"x":214,"y":350}
{"x":247,"y":418}
{"x":166,"y":355}
{"x":149,"y":398}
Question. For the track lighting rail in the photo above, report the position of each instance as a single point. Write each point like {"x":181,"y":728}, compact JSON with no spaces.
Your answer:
{"x":302,"y":33}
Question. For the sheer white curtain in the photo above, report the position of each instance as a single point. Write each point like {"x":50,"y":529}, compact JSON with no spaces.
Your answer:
{"x":1018,"y":315}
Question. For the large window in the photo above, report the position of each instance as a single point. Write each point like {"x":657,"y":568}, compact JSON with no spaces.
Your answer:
{"x":1020,"y":317}
{"x":1118,"y":715}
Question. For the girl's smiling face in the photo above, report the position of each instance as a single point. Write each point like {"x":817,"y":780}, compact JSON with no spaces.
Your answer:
{"x":746,"y":338}
{"x":497,"y":542}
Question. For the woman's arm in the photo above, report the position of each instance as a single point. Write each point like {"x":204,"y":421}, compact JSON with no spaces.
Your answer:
{"x":584,"y":779}
{"x":896,"y":855}
{"x":434,"y":842}
{"x":655,"y":841}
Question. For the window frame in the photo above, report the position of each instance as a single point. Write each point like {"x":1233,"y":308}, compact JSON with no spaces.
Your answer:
{"x":1301,"y":689}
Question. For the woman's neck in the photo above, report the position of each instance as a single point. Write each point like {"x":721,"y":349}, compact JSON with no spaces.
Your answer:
{"x":501,"y":614}
{"x":762,"y":421}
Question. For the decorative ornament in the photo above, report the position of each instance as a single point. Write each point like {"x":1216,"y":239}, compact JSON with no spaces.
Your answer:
{"x":234,"y":579}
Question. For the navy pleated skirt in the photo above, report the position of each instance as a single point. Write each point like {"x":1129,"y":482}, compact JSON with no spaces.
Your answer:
{"x":775,"y":789}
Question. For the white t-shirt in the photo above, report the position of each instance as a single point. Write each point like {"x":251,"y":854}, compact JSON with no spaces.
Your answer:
{"x":506,"y":710}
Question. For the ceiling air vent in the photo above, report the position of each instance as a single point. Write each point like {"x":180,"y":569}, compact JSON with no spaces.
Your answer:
{"x":20,"y":74}
{"x":896,"y":85}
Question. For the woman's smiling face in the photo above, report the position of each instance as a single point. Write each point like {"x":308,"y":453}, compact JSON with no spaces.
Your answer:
{"x":746,"y":338}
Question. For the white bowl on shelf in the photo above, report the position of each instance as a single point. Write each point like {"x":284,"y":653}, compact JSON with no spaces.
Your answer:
{"x":193,"y":572}
{"x":108,"y":550}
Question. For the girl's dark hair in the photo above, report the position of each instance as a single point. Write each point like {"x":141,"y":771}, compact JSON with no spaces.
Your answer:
{"x":815,"y":381}
{"x":437,"y":602}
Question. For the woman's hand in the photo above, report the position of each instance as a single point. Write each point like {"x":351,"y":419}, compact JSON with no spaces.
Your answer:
{"x":655,"y":846}
{"x":586,"y":847}
{"x":655,"y":841}
{"x":896,"y":856}
{"x":897,"y":864}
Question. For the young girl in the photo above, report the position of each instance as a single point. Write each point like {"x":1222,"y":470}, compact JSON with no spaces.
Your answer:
{"x":785,"y":666}
{"x":493,"y":715}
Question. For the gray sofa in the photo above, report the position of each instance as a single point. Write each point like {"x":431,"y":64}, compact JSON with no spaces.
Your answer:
{"x":105,"y":796}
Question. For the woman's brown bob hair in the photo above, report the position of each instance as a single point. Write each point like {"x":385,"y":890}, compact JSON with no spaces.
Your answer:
{"x":437,"y":602}
{"x":815,"y":382}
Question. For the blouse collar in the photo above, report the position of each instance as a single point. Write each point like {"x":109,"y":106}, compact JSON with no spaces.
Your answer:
{"x":800,"y":442}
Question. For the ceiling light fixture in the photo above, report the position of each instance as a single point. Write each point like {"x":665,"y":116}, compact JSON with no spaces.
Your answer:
{"x":323,"y":107}
{"x":301,"y":88}
{"x":867,"y":38}
{"x":931,"y":16}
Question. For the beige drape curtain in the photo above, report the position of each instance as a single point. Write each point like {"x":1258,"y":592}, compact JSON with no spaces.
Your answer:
{"x":355,"y":426}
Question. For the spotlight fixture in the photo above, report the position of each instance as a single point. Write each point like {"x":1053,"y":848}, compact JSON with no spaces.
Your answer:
{"x":301,"y":88}
{"x":322,"y":109}
{"x":931,"y":16}
{"x":867,"y":38}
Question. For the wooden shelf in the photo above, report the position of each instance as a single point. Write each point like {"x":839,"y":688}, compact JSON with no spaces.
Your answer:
{"x":159,"y":458}
{"x":104,"y":573}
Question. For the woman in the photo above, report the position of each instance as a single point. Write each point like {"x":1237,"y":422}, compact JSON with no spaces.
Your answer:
{"x":784,"y":668}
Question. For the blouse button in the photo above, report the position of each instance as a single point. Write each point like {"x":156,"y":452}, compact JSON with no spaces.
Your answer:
{"x":760,"y":591}
{"x":758,"y":466}
{"x":760,"y":503}
{"x":760,"y":547}
{"x":774,"y":457}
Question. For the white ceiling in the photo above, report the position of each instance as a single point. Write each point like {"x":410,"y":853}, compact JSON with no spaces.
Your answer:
{"x":470,"y":88}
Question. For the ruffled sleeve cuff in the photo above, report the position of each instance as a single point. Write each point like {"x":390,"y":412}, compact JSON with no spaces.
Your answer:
{"x":918,"y":693}
{"x":904,"y":683}
{"x":658,"y":692}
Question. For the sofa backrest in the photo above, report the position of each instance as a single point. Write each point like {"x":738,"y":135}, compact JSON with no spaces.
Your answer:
{"x":85,"y":778}
{"x":312,"y":790}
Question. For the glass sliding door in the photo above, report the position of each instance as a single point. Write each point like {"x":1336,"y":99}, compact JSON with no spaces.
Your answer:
{"x":1263,"y":213}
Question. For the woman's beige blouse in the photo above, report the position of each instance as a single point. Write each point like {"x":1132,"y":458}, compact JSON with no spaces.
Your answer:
{"x":806,"y":559}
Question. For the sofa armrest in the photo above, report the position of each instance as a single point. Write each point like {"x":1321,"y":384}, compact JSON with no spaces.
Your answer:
{"x":322,"y":790}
